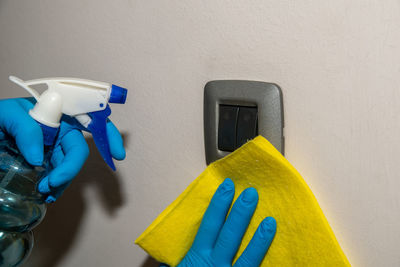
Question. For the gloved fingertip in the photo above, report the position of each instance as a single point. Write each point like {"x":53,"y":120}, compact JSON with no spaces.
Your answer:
{"x":249,"y":195}
{"x":229,"y":182}
{"x":226,"y":190}
{"x":268,"y":226}
{"x":43,"y":186}
{"x":119,"y":153}
{"x":51,"y":199}
{"x":34,"y":155}
{"x":116,"y":142}
{"x":227,"y":185}
{"x":35,"y":160}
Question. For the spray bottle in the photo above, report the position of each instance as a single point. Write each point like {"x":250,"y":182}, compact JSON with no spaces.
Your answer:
{"x":22,"y":207}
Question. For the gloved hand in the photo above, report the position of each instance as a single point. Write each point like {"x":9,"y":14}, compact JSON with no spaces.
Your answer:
{"x":70,"y":150}
{"x":217,"y":240}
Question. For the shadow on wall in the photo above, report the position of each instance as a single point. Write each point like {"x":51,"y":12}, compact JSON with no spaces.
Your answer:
{"x":58,"y":232}
{"x":150,"y":262}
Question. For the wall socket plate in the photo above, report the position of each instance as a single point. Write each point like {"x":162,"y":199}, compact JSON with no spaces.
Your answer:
{"x":267,"y":97}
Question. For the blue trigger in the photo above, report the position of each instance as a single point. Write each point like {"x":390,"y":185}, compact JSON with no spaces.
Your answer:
{"x":99,"y":132}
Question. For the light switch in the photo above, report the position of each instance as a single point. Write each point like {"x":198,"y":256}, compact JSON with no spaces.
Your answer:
{"x":228,"y":116}
{"x":246,"y":125}
{"x":241,"y":110}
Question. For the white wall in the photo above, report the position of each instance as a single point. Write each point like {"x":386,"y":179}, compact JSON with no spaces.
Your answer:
{"x":336,"y":61}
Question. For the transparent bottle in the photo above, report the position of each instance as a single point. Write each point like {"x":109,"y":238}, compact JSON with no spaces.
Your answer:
{"x":22,"y":207}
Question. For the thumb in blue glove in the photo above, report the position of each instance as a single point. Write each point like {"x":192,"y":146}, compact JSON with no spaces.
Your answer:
{"x":217,"y":241}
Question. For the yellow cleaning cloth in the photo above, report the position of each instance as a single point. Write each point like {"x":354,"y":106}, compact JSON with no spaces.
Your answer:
{"x":303,"y":238}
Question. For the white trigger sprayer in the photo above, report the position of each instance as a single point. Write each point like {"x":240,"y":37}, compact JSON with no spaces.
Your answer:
{"x":85,"y":100}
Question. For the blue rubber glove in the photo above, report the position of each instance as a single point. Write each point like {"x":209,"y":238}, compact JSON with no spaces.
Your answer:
{"x":70,"y":150}
{"x":217,"y":240}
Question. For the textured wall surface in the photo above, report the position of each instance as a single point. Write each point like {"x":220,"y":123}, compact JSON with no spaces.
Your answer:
{"x":336,"y":61}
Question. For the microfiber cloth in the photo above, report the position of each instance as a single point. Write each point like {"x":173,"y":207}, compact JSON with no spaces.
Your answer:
{"x":303,"y":237}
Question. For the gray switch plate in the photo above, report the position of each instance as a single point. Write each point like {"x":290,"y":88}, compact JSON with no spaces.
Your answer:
{"x":267,"y":97}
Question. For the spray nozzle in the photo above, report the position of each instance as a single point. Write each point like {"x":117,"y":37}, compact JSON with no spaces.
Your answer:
{"x":85,"y":100}
{"x":118,"y":95}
